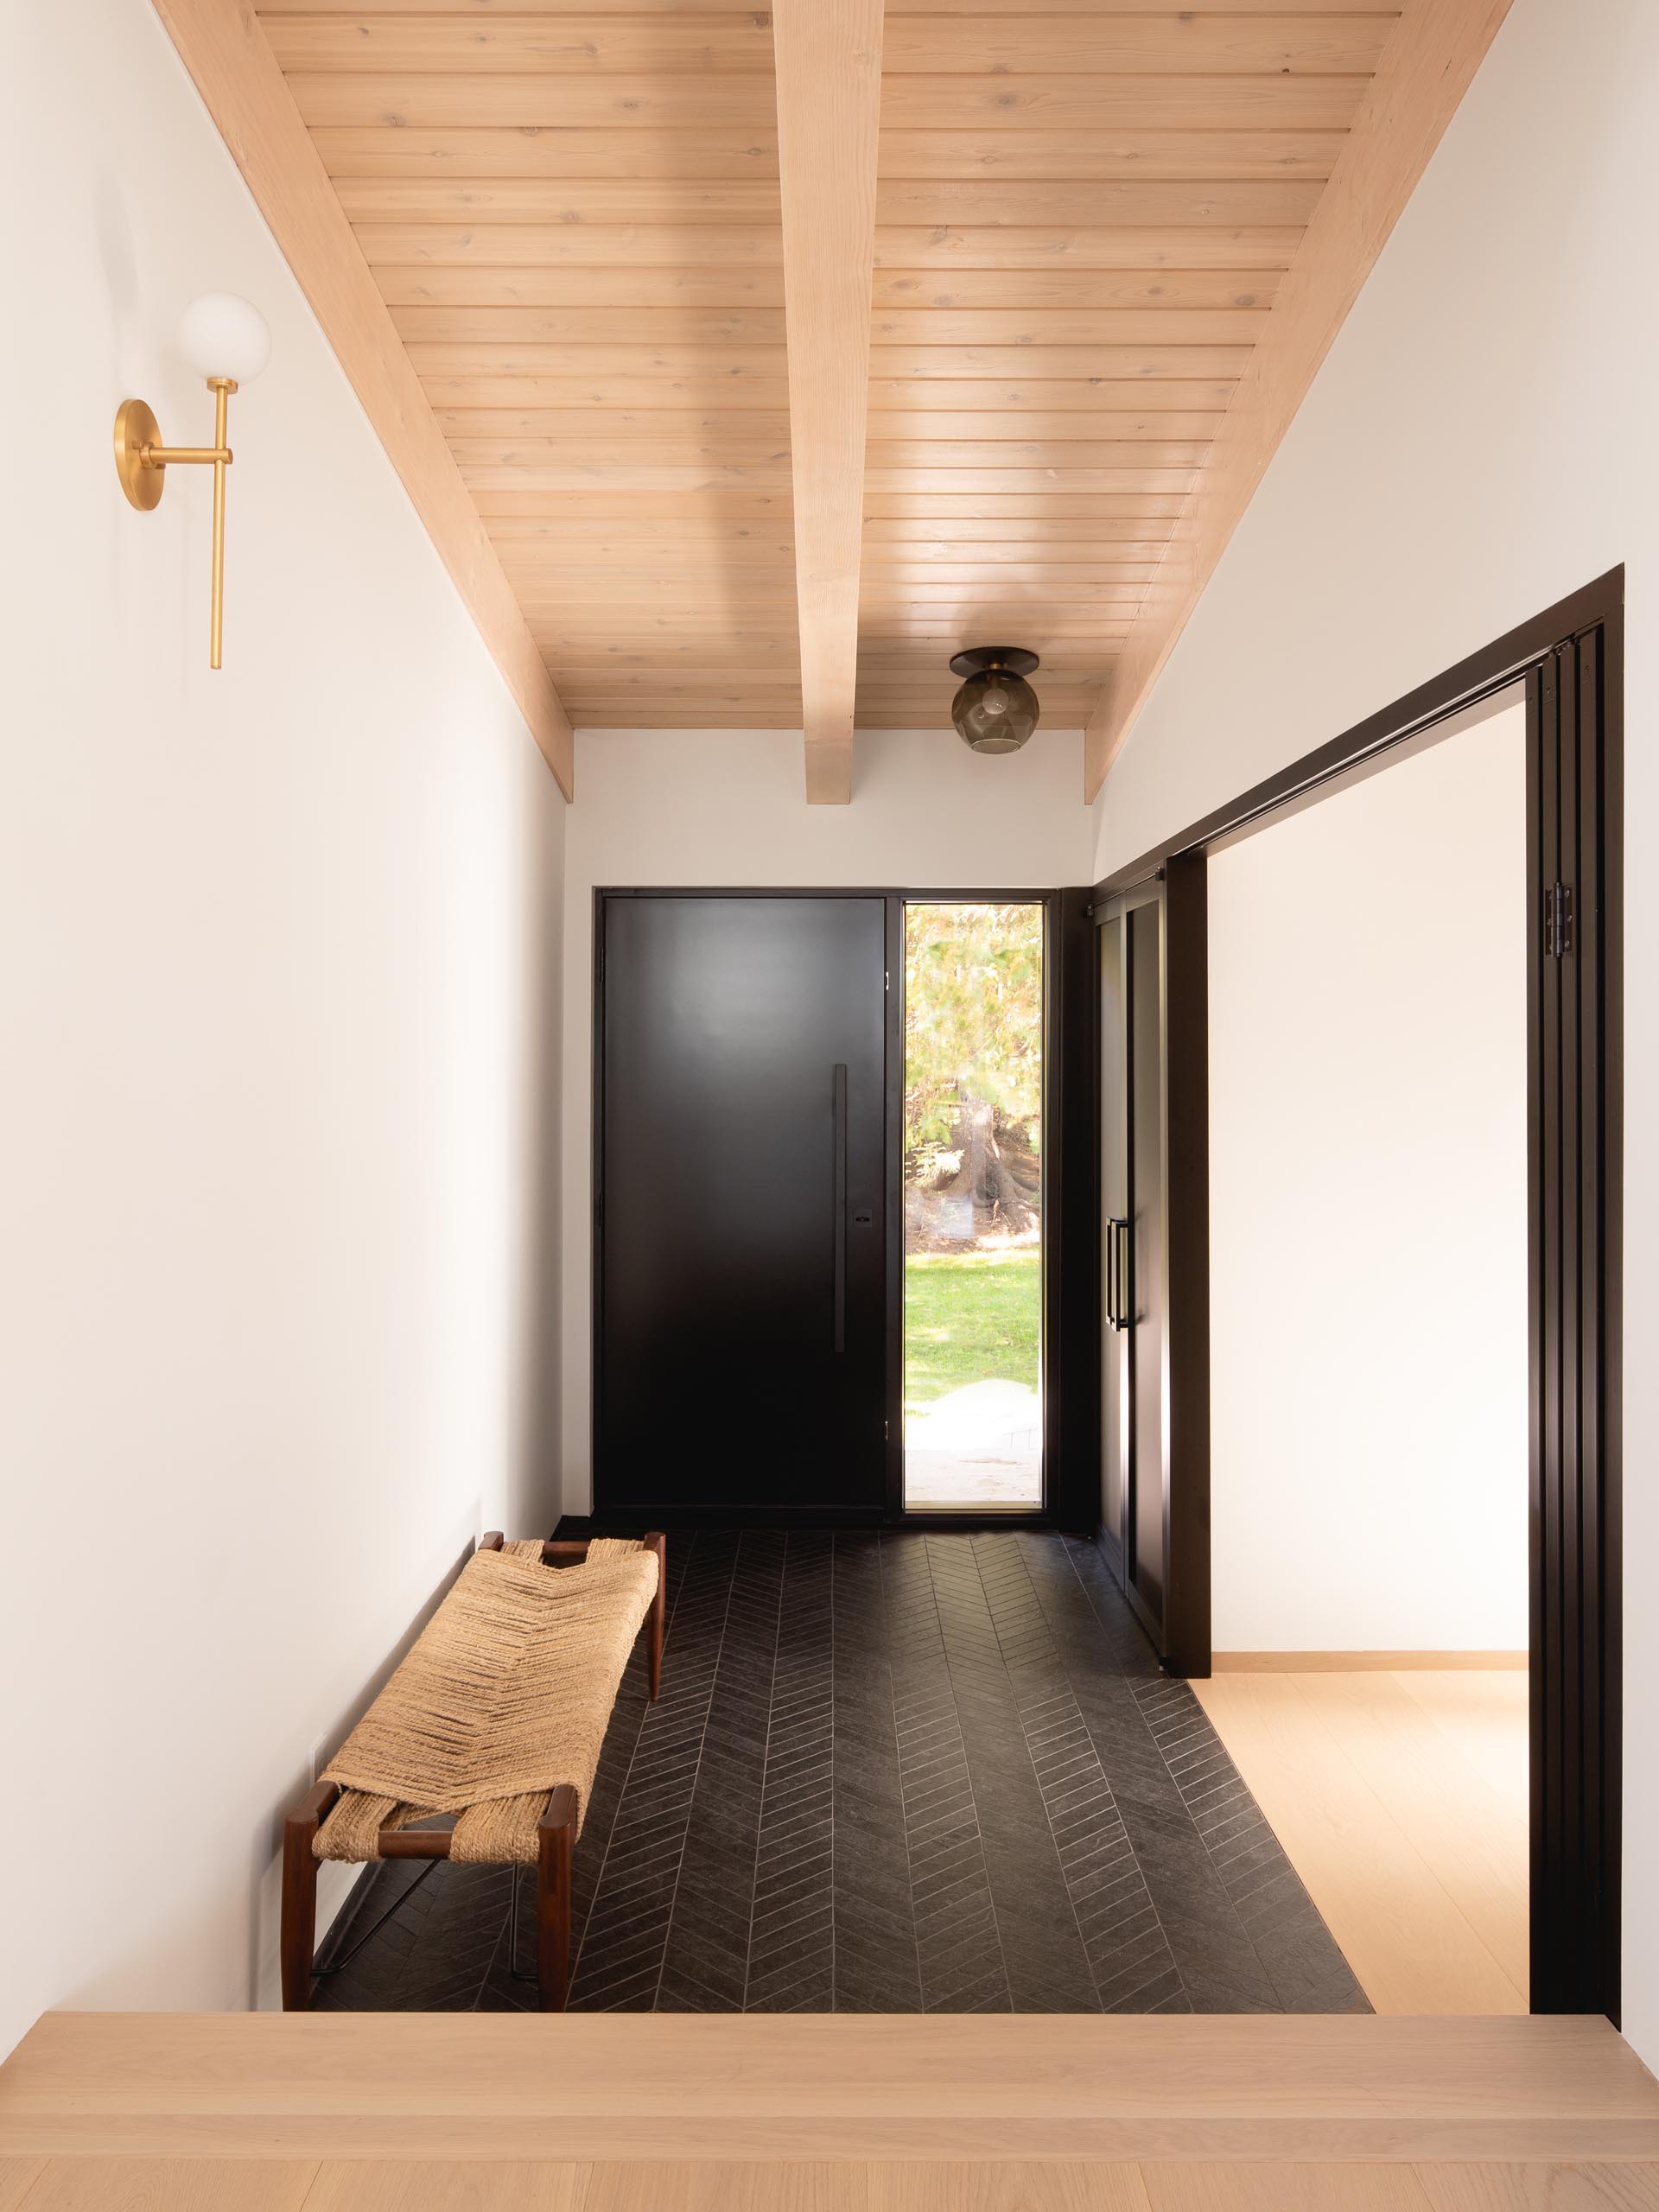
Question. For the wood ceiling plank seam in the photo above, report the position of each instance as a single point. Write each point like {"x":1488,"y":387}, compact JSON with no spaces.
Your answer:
{"x":693,"y":687}
{"x":623,"y":505}
{"x":1033,"y":363}
{"x":691,"y":156}
{"x":991,"y":245}
{"x":905,"y":537}
{"x":424,"y":99}
{"x":1105,"y":585}
{"x":999,"y":480}
{"x":967,"y":425}
{"x":717,"y":42}
{"x":1037,"y":452}
{"x":575,"y":638}
{"x":1095,"y":204}
{"x":632,"y":288}
{"x":1081,"y":396}
{"x":671,"y":363}
{"x":682,"y":208}
{"x":640,"y":479}
{"x":1084,"y":101}
{"x":1035,"y":327}
{"x":944,"y":602}
{"x":650,"y":328}
{"x":583,"y":536}
{"x":621,"y":423}
{"x":786,"y":723}
{"x":1169,"y":153}
{"x":1024,"y":291}
{"x":497,"y":238}
{"x":1156,"y":42}
{"x":734,"y":393}
{"x":944,"y":506}
{"x":677,"y":458}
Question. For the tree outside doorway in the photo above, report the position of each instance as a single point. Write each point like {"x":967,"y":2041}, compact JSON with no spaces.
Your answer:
{"x":973,"y":1195}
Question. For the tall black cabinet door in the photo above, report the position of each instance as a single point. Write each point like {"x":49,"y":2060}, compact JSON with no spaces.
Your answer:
{"x":1116,"y":1427}
{"x":1145,"y":1289}
{"x":1154,"y":1339}
{"x":741,"y":1352}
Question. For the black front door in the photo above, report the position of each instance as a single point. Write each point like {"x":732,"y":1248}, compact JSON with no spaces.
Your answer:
{"x":741,"y":1220}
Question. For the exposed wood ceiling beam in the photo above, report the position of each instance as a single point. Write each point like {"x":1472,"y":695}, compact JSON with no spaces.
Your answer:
{"x":829,"y":65}
{"x":1425,"y":68}
{"x":224,"y":48}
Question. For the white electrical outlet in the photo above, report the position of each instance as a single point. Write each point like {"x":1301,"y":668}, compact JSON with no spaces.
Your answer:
{"x":315,"y":1760}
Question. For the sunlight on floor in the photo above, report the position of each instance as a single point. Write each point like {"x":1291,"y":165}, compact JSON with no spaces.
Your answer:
{"x":982,"y":1445}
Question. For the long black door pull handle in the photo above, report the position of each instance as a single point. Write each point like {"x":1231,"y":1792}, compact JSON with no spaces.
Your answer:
{"x":839,"y":1081}
{"x":1117,"y":1271}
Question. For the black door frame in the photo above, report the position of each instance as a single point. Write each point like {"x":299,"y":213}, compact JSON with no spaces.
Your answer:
{"x":1570,"y":660}
{"x":1071,"y":1374}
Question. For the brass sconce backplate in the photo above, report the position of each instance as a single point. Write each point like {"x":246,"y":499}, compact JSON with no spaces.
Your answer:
{"x":136,"y":429}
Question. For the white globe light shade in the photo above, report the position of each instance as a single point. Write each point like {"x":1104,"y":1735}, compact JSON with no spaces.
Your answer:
{"x":221,"y":335}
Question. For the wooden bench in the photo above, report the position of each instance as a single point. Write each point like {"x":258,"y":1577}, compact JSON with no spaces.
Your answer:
{"x":556,"y":1834}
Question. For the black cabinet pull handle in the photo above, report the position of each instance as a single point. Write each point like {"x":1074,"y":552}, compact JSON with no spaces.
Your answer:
{"x":1117,"y":1271}
{"x":839,"y":1082}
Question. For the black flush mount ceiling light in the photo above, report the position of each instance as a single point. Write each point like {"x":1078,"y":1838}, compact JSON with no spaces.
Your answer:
{"x":995,"y":710}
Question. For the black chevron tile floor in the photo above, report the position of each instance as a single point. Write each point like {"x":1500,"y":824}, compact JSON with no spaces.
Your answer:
{"x":888,"y":1773}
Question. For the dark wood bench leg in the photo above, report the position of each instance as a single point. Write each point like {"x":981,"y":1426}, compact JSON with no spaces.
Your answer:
{"x":299,"y":1936}
{"x":556,"y":1837}
{"x":658,"y":1543}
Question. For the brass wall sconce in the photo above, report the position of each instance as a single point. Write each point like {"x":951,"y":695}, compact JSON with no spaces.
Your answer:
{"x":227,"y":339}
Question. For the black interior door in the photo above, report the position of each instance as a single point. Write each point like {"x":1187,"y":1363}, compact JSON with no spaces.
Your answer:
{"x":742,"y":1349}
{"x":1135,"y":1473}
{"x":1155,"y":1252}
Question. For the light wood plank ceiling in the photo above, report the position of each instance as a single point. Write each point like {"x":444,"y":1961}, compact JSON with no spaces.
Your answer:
{"x":1083,"y":214}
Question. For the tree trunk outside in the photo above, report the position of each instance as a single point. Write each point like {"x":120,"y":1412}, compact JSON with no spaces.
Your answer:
{"x":998,"y":1171}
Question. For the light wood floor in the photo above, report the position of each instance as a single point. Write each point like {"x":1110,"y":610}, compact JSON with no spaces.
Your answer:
{"x":810,"y":2113}
{"x":1401,"y":1801}
{"x":368,"y":2185}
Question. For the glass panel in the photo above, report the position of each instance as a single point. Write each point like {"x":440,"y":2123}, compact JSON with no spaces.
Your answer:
{"x":973,"y":1205}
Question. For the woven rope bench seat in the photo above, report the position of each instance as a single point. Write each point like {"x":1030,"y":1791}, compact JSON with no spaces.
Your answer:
{"x":496,"y":1716}
{"x":512,"y":1682}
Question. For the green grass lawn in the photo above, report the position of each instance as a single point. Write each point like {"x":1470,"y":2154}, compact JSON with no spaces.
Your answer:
{"x":972,"y":1317}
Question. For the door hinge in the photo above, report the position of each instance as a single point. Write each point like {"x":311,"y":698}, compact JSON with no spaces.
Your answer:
{"x":1558,"y":920}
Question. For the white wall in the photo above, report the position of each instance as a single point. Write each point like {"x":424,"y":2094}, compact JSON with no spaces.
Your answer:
{"x":1482,"y":440}
{"x":724,"y":807}
{"x":278,"y":1003}
{"x":1367,"y":1213}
